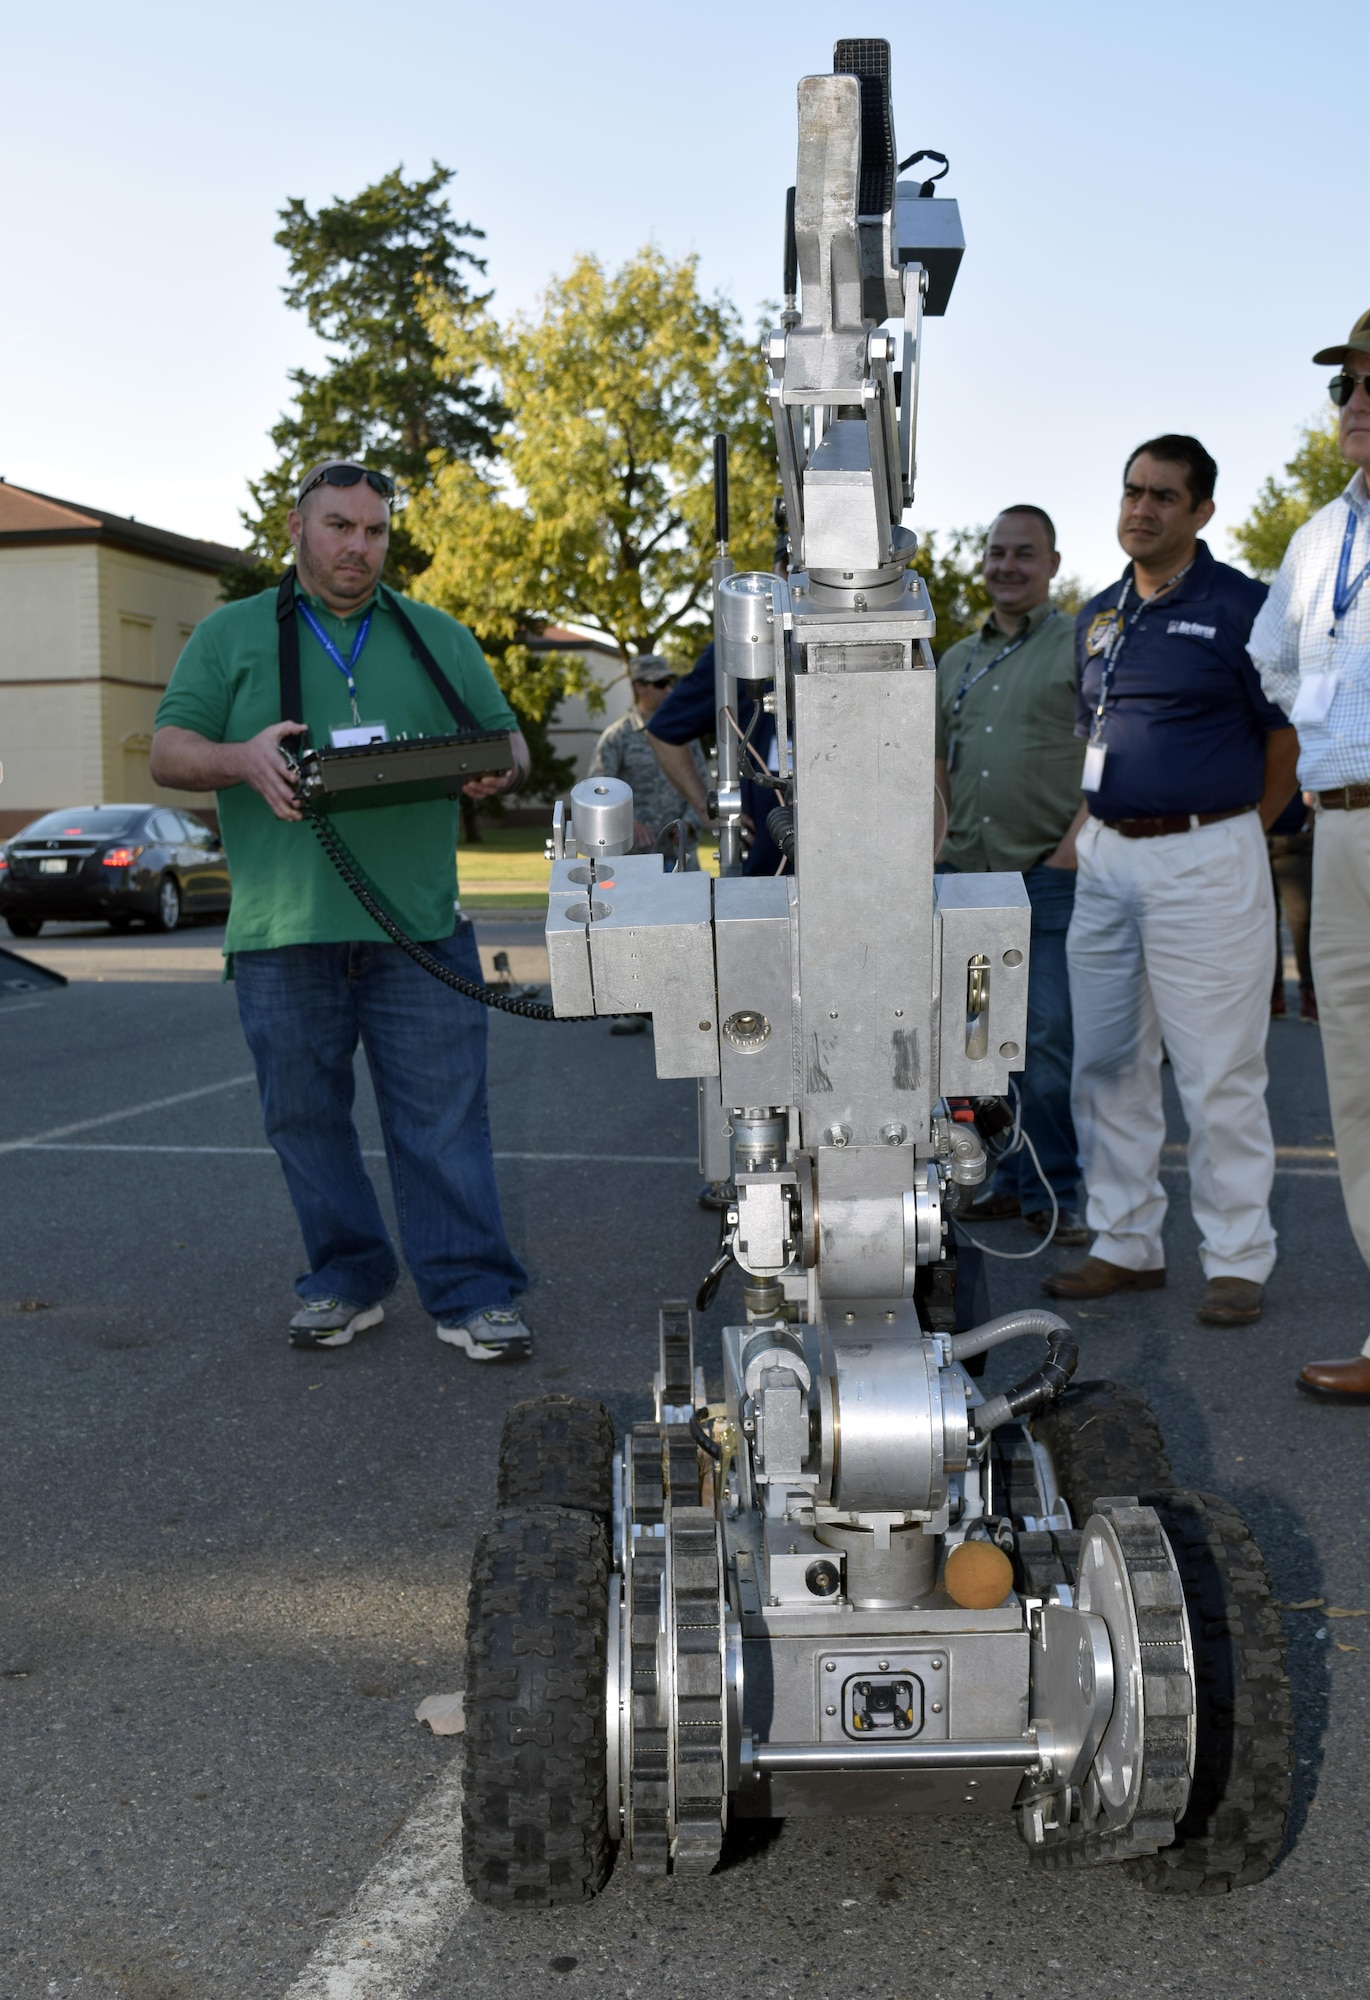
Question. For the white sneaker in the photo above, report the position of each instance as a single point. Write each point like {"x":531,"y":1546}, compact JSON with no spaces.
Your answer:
{"x":331,"y":1322}
{"x":497,"y":1334}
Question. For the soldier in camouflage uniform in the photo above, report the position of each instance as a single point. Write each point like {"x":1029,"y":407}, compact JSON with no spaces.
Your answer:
{"x":623,"y":751}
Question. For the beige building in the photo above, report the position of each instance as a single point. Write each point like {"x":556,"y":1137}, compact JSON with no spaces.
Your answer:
{"x":94,"y":611}
{"x":575,"y":731}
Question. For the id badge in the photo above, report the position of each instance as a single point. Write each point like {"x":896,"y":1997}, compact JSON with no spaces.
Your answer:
{"x":1093,"y":774}
{"x":357,"y":734}
{"x":1313,"y":702}
{"x":952,"y":742}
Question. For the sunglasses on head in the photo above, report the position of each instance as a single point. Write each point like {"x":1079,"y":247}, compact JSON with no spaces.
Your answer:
{"x":1343,"y":387}
{"x":352,"y":475}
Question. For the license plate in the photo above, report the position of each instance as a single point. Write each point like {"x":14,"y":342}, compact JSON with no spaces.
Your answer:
{"x":52,"y":867}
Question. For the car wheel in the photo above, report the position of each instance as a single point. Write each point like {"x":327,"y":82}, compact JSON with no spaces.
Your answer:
{"x":24,"y":926}
{"x":168,"y":915}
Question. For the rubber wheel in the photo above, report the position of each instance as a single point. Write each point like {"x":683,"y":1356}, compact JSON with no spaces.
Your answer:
{"x":535,"y":1824}
{"x":1103,"y":1438}
{"x":168,"y":916}
{"x":1234,"y":1826}
{"x":24,"y":926}
{"x":558,"y":1451}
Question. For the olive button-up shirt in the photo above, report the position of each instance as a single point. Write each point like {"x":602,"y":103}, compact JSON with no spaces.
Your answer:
{"x":1013,"y":756}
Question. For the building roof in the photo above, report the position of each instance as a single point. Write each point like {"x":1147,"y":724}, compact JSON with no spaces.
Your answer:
{"x":29,"y":519}
{"x":556,"y":639}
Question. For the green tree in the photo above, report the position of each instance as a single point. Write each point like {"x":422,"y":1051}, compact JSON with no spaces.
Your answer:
{"x":598,"y":512}
{"x":951,"y":572}
{"x":369,"y":274}
{"x":1317,"y":473}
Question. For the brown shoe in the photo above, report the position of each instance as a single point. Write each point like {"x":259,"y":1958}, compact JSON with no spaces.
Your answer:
{"x":1337,"y":1381}
{"x":1096,"y":1278}
{"x":1230,"y":1302}
{"x":1071,"y":1231}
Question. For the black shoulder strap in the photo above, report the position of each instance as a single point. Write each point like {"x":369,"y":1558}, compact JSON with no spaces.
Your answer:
{"x":456,"y":707}
{"x":288,"y":636}
{"x":288,"y":629}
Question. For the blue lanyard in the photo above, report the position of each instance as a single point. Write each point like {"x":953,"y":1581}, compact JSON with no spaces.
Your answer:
{"x":1118,"y":637}
{"x":969,"y":680}
{"x":1345,"y":593}
{"x":344,"y":666}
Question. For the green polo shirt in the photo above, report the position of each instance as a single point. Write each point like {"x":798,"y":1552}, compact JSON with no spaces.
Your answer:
{"x":1015,"y":773}
{"x":227,"y":687}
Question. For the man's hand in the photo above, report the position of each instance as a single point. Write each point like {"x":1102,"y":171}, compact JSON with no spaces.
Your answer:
{"x":185,"y":761}
{"x":262,"y":765}
{"x":682,"y":772}
{"x":643,"y":837}
{"x":1064,"y":856}
{"x":497,"y":782}
{"x":1281,"y":773}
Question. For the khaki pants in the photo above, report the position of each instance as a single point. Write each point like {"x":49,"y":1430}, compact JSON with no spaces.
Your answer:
{"x":1341,"y":972}
{"x":1174,"y":939}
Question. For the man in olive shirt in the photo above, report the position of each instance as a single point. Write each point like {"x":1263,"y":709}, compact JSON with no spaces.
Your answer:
{"x":312,"y":972}
{"x":1008,"y":777}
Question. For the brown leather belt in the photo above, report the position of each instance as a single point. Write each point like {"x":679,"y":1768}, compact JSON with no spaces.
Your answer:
{"x":1149,"y":829}
{"x":1347,"y":798}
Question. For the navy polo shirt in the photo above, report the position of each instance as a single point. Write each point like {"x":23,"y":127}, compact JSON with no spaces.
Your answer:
{"x":1186,"y":721}
{"x":688,"y":712}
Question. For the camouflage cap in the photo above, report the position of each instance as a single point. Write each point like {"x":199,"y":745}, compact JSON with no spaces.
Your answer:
{"x":650,"y":667}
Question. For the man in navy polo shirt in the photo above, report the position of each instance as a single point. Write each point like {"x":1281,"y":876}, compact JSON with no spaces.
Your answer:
{"x":687,"y":714}
{"x":1173,"y":936}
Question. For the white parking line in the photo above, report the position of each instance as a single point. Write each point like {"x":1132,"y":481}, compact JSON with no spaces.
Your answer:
{"x":132,"y":1111}
{"x":403,"y":1913}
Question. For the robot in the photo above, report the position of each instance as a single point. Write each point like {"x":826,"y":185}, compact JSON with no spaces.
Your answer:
{"x":854,"y":1583}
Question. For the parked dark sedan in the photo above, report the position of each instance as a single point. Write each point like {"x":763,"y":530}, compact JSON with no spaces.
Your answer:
{"x":113,"y":862}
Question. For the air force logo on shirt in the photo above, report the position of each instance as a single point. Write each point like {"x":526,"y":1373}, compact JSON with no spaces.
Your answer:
{"x":1187,"y":630}
{"x":1101,"y":629}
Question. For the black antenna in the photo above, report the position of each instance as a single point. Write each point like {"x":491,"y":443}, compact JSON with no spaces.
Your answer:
{"x":721,"y":488}
{"x":791,"y":251}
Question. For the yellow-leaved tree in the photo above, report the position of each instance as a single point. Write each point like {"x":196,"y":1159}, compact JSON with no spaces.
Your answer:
{"x":597,"y":511}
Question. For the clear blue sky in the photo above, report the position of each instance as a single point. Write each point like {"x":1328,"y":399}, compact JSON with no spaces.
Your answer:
{"x":1166,"y":211}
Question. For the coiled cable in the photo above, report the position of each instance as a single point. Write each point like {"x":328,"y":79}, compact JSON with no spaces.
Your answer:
{"x":350,"y":870}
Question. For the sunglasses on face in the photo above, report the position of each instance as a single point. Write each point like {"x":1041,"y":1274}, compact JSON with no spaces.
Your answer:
{"x":1343,"y":387}
{"x":352,"y":475}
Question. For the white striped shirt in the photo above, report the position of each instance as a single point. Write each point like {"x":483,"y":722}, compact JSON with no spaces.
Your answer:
{"x":1292,"y":640}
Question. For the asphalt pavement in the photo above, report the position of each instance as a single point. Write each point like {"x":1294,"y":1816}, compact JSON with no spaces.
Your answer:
{"x":232,"y":1571}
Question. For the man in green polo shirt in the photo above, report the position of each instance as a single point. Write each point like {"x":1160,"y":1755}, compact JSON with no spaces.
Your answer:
{"x":313,"y":973}
{"x":1008,"y":779}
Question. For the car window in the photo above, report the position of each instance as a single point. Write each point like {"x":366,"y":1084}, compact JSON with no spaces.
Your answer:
{"x":196,"y":832}
{"x":100,"y":822}
{"x":166,"y":826}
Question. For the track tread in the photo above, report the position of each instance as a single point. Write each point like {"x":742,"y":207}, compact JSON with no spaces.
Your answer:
{"x":534,"y":1811}
{"x":1234,"y":1826}
{"x":557,"y":1451}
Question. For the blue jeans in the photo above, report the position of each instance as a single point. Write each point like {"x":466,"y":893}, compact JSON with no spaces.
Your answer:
{"x":303,"y":1010}
{"x":1044,"y":1082}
